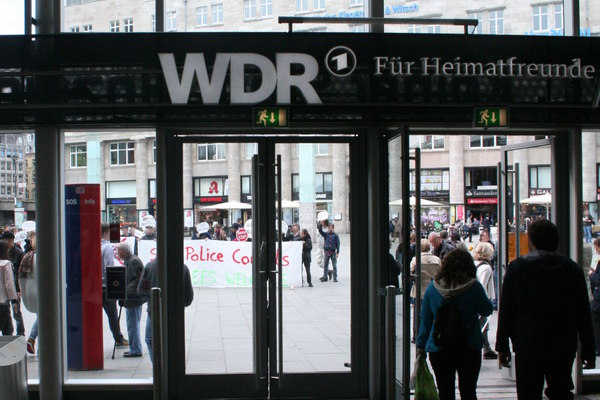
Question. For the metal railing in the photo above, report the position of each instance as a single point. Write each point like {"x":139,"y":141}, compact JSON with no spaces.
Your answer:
{"x":157,"y":344}
{"x":465,"y":23}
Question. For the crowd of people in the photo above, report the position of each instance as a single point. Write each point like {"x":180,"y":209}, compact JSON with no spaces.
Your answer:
{"x":545,"y":310}
{"x":18,"y":286}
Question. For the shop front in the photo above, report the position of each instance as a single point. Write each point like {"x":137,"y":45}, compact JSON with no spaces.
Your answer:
{"x":121,"y":206}
{"x":210,"y":191}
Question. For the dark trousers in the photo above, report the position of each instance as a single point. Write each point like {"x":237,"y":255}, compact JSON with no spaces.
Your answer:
{"x":596,"y":325}
{"x":306,"y":263}
{"x":6,"y":325}
{"x":18,"y":316}
{"x":110,"y":308}
{"x":531,"y":371}
{"x":446,"y":363}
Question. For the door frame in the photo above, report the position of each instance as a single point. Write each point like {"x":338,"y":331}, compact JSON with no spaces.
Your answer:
{"x":352,"y":384}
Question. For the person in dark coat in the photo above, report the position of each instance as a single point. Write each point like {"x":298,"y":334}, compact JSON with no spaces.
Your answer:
{"x":594,"y":275}
{"x":544,"y":309}
{"x":306,"y":254}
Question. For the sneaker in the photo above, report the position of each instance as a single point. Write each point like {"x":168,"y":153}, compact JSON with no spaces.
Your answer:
{"x":310,"y":285}
{"x":490,"y":355}
{"x":323,"y":279}
{"x":31,"y":346}
{"x":335,"y":279}
{"x":122,"y":343}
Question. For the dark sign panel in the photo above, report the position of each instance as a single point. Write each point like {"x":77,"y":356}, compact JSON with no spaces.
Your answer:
{"x":341,"y":78}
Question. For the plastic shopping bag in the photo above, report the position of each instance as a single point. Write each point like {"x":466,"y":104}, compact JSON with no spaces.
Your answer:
{"x":425,"y":388}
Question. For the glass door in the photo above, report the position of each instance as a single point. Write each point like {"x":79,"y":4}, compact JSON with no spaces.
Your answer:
{"x":266,"y":320}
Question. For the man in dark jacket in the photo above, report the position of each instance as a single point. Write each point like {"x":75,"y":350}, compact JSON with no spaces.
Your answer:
{"x":15,"y":255}
{"x":543,"y":309}
{"x":441,"y":247}
{"x":331,"y":249}
{"x":133,"y":305}
{"x":149,"y":280}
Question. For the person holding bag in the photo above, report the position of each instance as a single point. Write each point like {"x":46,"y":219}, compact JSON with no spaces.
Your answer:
{"x":595,"y":304}
{"x":450,"y":330}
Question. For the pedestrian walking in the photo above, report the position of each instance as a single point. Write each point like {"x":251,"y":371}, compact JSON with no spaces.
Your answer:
{"x":331,"y":250}
{"x":430,"y":267}
{"x":8,"y":290}
{"x":15,"y":255}
{"x":456,"y":289}
{"x":544,"y":310}
{"x":306,"y":254}
{"x":27,"y":283}
{"x":588,"y":222}
{"x":133,"y":304}
{"x":482,"y":254}
{"x":110,"y":306}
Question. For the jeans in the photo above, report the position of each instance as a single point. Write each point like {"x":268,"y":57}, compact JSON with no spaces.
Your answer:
{"x":587,"y":232}
{"x":134,"y":315}
{"x":149,"y":334}
{"x":18,"y":316}
{"x":333,"y":258}
{"x":446,"y":363}
{"x":110,"y":308}
{"x":531,"y":371}
{"x":6,"y":325}
{"x":34,"y":330}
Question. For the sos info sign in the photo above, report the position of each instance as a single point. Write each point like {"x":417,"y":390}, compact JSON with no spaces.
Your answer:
{"x":219,"y":264}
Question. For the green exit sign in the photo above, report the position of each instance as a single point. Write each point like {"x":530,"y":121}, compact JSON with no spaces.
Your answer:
{"x":270,"y":117}
{"x":486,"y":117}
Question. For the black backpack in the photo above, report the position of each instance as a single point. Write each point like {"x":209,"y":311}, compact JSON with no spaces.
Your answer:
{"x":448,"y":328}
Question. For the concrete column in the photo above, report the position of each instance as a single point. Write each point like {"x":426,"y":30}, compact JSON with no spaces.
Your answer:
{"x":395,"y":173}
{"x":188,"y":184}
{"x":285,"y":149}
{"x":306,"y":179}
{"x":233,"y":171}
{"x":102,"y":175}
{"x":339,"y":168}
{"x":588,"y":153}
{"x":141,"y":174}
{"x":457,"y":168}
{"x":48,"y":209}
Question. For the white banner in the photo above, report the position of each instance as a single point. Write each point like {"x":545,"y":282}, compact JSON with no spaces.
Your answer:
{"x":218,"y":264}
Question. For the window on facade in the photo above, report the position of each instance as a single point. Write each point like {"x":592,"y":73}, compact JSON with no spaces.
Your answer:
{"x":8,"y":166}
{"x":540,"y":177}
{"x":487,"y":141}
{"x":249,"y":9}
{"x":479,"y":17}
{"x":540,"y":18}
{"x":87,"y":28}
{"x":432,"y":180}
{"x":202,"y":16}
{"x":496,"y":18}
{"x":414,"y":29}
{"x":153,"y":22}
{"x":217,"y":13}
{"x":251,"y":149}
{"x":154,"y":151}
{"x":266,"y":8}
{"x":171,"y":22}
{"x":434,"y":29}
{"x":356,"y":3}
{"x":319,"y":5}
{"x":357,"y":28}
{"x":73,"y":29}
{"x":427,"y":142}
{"x":558,"y":16}
{"x":211,"y":151}
{"x":301,"y":6}
{"x":323,"y":182}
{"x":484,"y":176}
{"x":246,"y":186}
{"x":122,"y":153}
{"x":114,"y":26}
{"x":128,"y":25}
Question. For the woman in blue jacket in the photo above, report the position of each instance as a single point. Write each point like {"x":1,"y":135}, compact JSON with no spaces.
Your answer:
{"x":456,"y":282}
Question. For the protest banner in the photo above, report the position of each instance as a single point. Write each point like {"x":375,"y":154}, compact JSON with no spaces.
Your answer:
{"x":219,"y":264}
